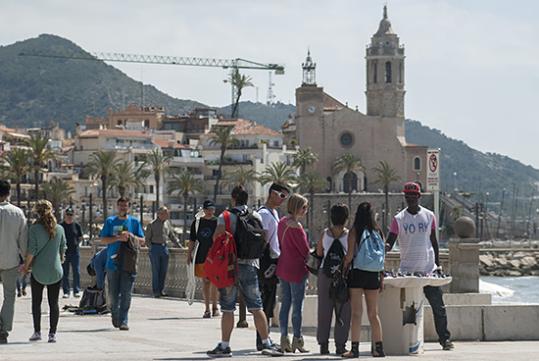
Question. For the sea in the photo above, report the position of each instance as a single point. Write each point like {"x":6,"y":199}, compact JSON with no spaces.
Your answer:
{"x":511,"y":290}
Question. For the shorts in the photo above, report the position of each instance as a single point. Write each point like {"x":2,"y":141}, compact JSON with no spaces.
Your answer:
{"x":247,"y":284}
{"x":199,"y":270}
{"x":364,"y":279}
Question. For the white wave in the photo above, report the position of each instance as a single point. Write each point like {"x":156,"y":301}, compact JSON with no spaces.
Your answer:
{"x":494,"y":289}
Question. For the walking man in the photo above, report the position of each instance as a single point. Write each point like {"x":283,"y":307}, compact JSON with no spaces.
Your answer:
{"x":123,"y":235}
{"x":73,"y":233}
{"x":268,"y":262}
{"x":414,"y":227}
{"x":157,"y":234}
{"x":246,"y":283}
{"x":13,"y":243}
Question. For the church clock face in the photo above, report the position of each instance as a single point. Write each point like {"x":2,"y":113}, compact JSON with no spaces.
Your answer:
{"x":311,"y":109}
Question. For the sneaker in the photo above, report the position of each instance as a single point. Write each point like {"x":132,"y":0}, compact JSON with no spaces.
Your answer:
{"x":23,"y":292}
{"x":206,"y":314}
{"x":3,"y":339}
{"x":19,"y":294}
{"x":124,"y":327}
{"x":35,"y":337}
{"x":52,"y":338}
{"x":115,"y":323}
{"x":219,"y":352}
{"x":66,"y":295}
{"x":447,"y":345}
{"x":271,"y":350}
{"x":76,"y":295}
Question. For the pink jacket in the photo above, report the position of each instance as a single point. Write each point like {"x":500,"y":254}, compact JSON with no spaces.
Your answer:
{"x":294,"y":251}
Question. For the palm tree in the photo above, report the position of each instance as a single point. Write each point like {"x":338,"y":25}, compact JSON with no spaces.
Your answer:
{"x":103,"y":165}
{"x":223,"y":136}
{"x":311,"y":183}
{"x":127,"y":177}
{"x":158,"y":163}
{"x":241,"y":176}
{"x":184,"y":183}
{"x":56,"y":191}
{"x":39,"y":155}
{"x":385,"y":175}
{"x":279,"y":172}
{"x":303,"y":158}
{"x":238,"y":83}
{"x":17,"y":165}
{"x":349,"y":164}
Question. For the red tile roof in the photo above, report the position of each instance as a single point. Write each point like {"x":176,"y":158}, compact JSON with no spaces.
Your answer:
{"x":166,"y":143}
{"x":120,"y":133}
{"x":248,"y":127}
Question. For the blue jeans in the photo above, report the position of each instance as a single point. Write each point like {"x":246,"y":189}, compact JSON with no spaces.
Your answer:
{"x":159,"y":261}
{"x":99,"y":262}
{"x":247,"y":284}
{"x":72,"y":259}
{"x":120,"y":289}
{"x":292,"y":295}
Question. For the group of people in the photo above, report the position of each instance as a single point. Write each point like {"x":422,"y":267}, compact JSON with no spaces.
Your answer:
{"x":281,"y":267}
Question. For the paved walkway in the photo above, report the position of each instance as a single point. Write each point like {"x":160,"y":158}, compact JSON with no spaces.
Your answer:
{"x":169,"y":329}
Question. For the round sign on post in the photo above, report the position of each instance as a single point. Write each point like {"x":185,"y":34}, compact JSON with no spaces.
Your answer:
{"x":433,"y":170}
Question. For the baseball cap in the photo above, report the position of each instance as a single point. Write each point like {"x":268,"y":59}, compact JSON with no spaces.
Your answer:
{"x":69,"y":211}
{"x":208,"y":204}
{"x":411,"y":188}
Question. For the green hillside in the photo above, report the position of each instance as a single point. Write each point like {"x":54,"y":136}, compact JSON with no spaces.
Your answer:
{"x":35,"y":90}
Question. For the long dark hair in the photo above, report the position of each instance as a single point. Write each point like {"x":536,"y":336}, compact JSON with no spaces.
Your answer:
{"x":364,"y":220}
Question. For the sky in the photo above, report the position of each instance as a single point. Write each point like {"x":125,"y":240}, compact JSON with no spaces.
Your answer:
{"x":472,"y":67}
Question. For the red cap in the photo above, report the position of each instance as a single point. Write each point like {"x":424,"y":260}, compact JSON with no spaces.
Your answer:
{"x":411,"y":188}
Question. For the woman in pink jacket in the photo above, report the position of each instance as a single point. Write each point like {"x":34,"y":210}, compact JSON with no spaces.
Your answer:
{"x":292,"y":271}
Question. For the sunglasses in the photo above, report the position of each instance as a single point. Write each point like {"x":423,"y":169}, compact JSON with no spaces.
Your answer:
{"x":280,"y":194}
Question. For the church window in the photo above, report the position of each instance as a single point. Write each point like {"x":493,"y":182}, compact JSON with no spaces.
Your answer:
{"x":388,"y":72}
{"x":375,"y":71}
{"x":417,"y":163}
{"x":347,"y":139}
{"x":400,"y":72}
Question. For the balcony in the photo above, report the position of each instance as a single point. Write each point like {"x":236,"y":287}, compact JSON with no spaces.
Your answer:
{"x":228,"y":162}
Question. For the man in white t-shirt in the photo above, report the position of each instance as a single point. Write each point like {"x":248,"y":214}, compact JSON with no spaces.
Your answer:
{"x":414,"y":227}
{"x":268,"y":263}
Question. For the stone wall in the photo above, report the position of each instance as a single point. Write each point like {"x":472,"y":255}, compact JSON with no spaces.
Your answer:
{"x":509,"y":262}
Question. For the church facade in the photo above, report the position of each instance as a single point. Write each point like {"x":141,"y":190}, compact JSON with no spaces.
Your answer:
{"x":331,"y":129}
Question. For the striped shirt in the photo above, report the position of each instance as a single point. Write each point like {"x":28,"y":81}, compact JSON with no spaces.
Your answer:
{"x":413,"y":232}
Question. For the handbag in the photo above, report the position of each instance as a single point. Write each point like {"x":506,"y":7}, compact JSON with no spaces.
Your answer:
{"x":313,"y":262}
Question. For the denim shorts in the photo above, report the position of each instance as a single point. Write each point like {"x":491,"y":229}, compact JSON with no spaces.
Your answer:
{"x":247,"y":284}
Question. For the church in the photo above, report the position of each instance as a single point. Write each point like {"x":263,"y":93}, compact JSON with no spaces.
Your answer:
{"x":332,"y":129}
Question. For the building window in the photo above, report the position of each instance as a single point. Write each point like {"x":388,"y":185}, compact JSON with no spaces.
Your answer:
{"x":388,"y":72}
{"x":417,"y":163}
{"x":347,"y":139}
{"x":151,"y":189}
{"x":375,"y":71}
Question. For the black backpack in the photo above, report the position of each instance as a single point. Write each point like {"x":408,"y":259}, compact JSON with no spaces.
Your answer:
{"x":250,"y":236}
{"x":333,"y":268}
{"x":334,"y":258}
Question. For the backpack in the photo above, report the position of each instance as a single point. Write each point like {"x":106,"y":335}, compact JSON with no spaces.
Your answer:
{"x":371,"y":253}
{"x":334,"y":258}
{"x":93,"y":301}
{"x":333,"y":268}
{"x":220,"y":264}
{"x":249,"y":235}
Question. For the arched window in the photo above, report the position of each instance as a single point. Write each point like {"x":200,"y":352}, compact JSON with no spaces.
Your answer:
{"x":401,"y":69}
{"x":417,"y":163}
{"x":388,"y":72}
{"x":375,"y":71}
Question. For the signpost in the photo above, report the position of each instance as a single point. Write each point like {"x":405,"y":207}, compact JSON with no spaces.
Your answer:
{"x":433,"y":181}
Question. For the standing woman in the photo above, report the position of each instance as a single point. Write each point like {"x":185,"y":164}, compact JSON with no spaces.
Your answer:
{"x":46,"y":249}
{"x":361,"y":281}
{"x":292,"y":271}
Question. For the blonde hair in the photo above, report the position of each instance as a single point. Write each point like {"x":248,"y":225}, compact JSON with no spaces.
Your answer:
{"x":45,"y":216}
{"x":295,"y":203}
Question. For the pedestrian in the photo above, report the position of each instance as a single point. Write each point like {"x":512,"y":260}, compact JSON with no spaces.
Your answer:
{"x":22,"y":282}
{"x":334,"y":238}
{"x":202,"y":231}
{"x":73,"y":233}
{"x":246,"y":284}
{"x":158,"y":233}
{"x":268,"y":262}
{"x":123,"y":235}
{"x":46,"y":253}
{"x":292,"y":271}
{"x":362,"y":280}
{"x":13,"y":244}
{"x":414,"y":227}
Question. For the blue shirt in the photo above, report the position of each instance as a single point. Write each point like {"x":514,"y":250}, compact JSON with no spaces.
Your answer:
{"x":113,"y":227}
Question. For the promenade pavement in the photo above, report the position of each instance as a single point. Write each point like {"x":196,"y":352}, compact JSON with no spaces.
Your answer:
{"x":170,"y":329}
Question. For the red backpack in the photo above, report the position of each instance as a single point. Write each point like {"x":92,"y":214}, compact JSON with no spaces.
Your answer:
{"x":220,"y":264}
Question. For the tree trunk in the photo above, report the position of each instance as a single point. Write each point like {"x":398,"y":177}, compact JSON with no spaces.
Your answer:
{"x":184,"y":233}
{"x":350,"y":199}
{"x":386,"y":215}
{"x":311,"y":215}
{"x":104,"y":197}
{"x":219,"y":170}
{"x":36,"y":183}
{"x":121,"y":190}
{"x":18,"y":193}
{"x":157,"y":178}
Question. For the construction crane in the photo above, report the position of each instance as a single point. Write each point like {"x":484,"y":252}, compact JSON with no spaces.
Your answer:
{"x":232,"y":64}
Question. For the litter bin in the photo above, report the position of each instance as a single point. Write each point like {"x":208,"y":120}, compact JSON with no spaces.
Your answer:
{"x":401,"y":312}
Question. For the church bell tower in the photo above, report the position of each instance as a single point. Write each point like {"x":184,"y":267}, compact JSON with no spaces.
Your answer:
{"x":385,"y":72}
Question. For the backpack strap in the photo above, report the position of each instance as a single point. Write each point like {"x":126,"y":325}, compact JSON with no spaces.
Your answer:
{"x":226,"y":216}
